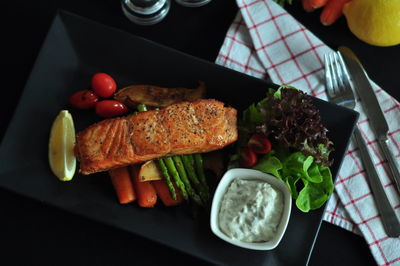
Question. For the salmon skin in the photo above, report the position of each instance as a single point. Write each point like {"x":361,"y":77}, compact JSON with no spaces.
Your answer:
{"x":182,"y":128}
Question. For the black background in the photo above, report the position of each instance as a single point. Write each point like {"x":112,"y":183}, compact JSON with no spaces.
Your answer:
{"x":33,"y":233}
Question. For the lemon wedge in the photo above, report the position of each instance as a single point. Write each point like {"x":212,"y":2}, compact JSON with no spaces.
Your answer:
{"x":62,"y":159}
{"x":376,"y":22}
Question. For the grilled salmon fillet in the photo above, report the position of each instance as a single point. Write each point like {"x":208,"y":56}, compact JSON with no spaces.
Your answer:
{"x":182,"y":128}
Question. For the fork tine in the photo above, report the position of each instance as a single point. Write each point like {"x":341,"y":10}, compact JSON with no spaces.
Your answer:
{"x":337,"y":81}
{"x":339,"y":72}
{"x":328,"y":76}
{"x":335,"y":74}
{"x":346,"y":75}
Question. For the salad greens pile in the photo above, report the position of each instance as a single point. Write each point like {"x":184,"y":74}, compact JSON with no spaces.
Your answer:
{"x":300,"y":147}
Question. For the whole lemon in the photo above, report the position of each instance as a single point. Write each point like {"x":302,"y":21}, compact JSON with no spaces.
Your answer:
{"x":376,"y":22}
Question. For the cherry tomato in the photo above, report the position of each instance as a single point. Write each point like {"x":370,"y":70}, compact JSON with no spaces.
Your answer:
{"x":103,"y":85}
{"x":248,"y":158}
{"x":110,"y":108}
{"x":84,"y":99}
{"x":259,"y":143}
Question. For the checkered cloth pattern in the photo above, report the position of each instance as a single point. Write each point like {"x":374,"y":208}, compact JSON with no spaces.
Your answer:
{"x":266,"y":42}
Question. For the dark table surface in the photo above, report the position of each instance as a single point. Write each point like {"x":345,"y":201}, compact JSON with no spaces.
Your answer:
{"x":33,"y":233}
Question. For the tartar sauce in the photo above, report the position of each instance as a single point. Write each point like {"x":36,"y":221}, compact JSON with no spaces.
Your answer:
{"x":250,"y":210}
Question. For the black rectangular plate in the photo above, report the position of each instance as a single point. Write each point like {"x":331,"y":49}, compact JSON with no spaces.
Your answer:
{"x":74,"y":49}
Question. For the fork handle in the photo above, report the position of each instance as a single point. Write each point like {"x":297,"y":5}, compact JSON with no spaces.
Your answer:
{"x":389,"y":219}
{"x":383,"y":143}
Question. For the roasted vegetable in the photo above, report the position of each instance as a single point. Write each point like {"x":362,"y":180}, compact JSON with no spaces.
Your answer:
{"x":164,"y":194}
{"x":167,"y":179}
{"x":169,"y":163}
{"x":123,"y":185}
{"x":181,"y":171}
{"x":145,"y":191}
{"x":149,"y":172}
{"x":188,"y":164}
{"x":154,"y":96}
{"x":199,"y":166}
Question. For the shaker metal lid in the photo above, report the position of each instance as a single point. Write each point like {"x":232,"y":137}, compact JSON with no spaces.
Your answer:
{"x":144,"y":7}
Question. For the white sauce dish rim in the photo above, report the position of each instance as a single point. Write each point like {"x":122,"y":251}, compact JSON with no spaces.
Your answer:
{"x":250,"y":174}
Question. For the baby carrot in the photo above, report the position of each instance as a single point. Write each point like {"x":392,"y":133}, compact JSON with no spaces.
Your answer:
{"x":163,"y":192}
{"x":145,"y":192}
{"x":307,"y":6}
{"x":332,"y":11}
{"x":122,"y":183}
{"x":318,"y":3}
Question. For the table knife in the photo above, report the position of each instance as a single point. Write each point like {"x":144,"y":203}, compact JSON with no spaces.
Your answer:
{"x":371,"y":106}
{"x":389,"y":219}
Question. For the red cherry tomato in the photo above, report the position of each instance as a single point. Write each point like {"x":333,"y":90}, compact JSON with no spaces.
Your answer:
{"x":259,"y":143}
{"x":84,"y":99}
{"x":248,"y":158}
{"x":103,"y":85}
{"x":110,"y":108}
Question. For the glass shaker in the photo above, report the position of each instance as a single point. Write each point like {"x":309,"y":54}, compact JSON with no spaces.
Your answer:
{"x":145,"y":12}
{"x":193,"y":3}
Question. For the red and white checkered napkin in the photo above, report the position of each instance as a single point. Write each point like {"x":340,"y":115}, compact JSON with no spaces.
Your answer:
{"x":266,"y":42}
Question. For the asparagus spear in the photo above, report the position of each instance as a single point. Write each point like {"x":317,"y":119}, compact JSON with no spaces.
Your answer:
{"x":167,"y":178}
{"x":198,"y":164}
{"x":188,"y":163}
{"x":182,"y":173}
{"x":172,"y":170}
{"x":142,"y":107}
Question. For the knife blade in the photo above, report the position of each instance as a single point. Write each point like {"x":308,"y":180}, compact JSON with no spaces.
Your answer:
{"x":371,"y":106}
{"x":389,"y":218}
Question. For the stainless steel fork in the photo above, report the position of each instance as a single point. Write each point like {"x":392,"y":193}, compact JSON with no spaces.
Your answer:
{"x":339,"y":91}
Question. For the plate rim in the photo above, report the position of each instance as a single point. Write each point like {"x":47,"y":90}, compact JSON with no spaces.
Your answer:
{"x":59,"y":15}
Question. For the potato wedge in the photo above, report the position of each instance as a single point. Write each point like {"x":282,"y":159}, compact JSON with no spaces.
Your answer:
{"x":149,"y":172}
{"x":154,"y":96}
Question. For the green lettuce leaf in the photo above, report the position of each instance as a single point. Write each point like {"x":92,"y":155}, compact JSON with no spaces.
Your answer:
{"x":314,"y":195}
{"x":298,"y":163}
{"x":252,"y":115}
{"x":291,"y":182}
{"x":269,"y":164}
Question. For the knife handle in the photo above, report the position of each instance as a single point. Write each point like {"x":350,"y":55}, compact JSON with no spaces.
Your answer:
{"x":389,"y":219}
{"x":383,"y":143}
